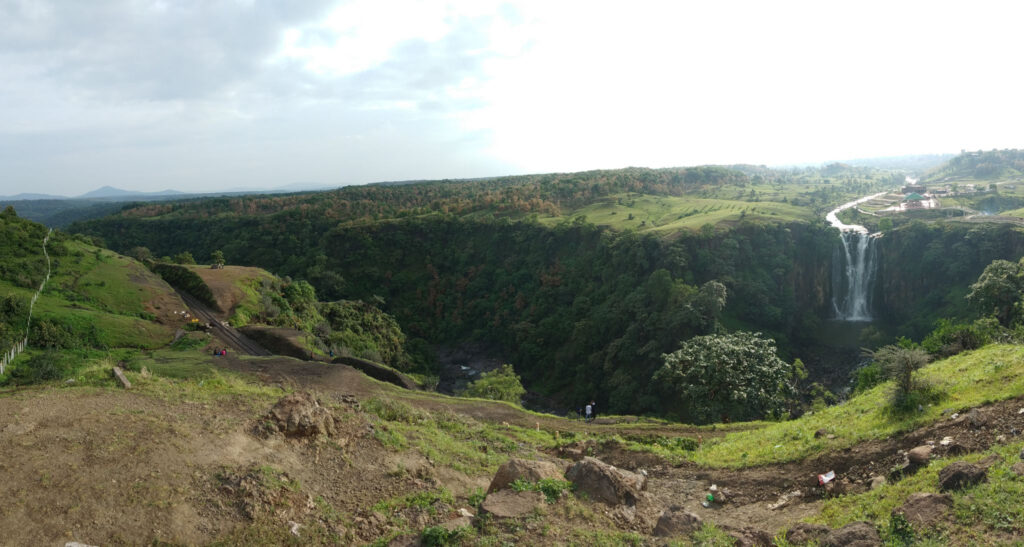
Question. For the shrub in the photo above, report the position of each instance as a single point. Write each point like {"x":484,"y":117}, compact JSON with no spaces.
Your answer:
{"x":500,"y":384}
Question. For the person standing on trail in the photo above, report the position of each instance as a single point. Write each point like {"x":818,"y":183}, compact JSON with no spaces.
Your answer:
{"x":588,"y":409}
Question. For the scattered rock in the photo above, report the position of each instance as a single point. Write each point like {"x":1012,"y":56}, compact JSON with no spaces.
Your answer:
{"x":920,"y":455}
{"x":956,"y":449}
{"x":527,"y":470}
{"x":458,"y":522}
{"x":802,"y":533}
{"x":924,"y":509}
{"x":855,"y":534}
{"x":463,"y":512}
{"x":676,"y":521}
{"x":960,"y":474}
{"x":1001,"y":439}
{"x":1017,"y":469}
{"x":877,"y":482}
{"x":300,"y":415}
{"x":946,"y":441}
{"x":511,"y":504}
{"x":784,"y":500}
{"x":749,"y":537}
{"x":830,"y":436}
{"x":119,"y":374}
{"x":605,"y":483}
{"x":975,"y":418}
{"x":407,"y":540}
{"x":820,"y":433}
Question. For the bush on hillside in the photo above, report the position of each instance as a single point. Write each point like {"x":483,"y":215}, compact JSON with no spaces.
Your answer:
{"x":500,"y":384}
{"x":950,"y":338}
{"x":43,"y":367}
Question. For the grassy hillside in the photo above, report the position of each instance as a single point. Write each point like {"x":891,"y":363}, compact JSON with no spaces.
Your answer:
{"x":95,"y":301}
{"x":982,"y":165}
{"x":993,"y":373}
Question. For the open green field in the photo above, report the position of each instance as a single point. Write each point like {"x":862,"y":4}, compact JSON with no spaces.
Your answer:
{"x":670,"y":213}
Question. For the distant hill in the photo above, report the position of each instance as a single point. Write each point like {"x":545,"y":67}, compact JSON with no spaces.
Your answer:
{"x":24,"y":196}
{"x":916,"y":163}
{"x":980,"y":165}
{"x":111,"y":192}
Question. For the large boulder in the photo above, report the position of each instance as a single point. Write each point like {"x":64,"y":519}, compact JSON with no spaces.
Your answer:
{"x":300,"y":415}
{"x":855,"y":534}
{"x":512,"y":504}
{"x":676,"y":521}
{"x":605,"y":483}
{"x":527,"y":470}
{"x":804,"y":532}
{"x":920,"y":455}
{"x":961,"y":474}
{"x":923,"y":509}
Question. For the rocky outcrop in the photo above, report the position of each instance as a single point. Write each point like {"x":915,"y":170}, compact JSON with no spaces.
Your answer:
{"x":923,"y":509}
{"x":512,"y":504}
{"x":961,"y":474}
{"x":605,"y":483}
{"x":855,"y":534}
{"x":300,"y":415}
{"x":802,"y":533}
{"x":527,"y":470}
{"x":676,"y":521}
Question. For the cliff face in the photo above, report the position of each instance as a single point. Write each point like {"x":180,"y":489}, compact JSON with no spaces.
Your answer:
{"x":925,"y":270}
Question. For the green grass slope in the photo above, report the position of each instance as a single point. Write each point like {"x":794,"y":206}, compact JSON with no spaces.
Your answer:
{"x":993,"y":373}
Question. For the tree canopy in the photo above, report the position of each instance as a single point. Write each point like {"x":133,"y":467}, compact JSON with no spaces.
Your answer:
{"x":724,"y":377}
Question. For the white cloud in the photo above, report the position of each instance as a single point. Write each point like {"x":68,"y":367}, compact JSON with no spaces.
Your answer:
{"x":200,"y":95}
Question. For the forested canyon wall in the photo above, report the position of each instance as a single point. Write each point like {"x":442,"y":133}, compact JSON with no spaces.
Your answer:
{"x":584,"y":311}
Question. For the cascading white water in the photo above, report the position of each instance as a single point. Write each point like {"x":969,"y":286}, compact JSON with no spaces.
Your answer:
{"x":851,"y":296}
{"x":851,"y":291}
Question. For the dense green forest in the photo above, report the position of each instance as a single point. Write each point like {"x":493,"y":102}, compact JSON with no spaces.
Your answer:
{"x":583,"y":309}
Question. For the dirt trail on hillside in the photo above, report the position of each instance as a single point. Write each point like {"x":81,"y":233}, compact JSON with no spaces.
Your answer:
{"x":335,"y":380}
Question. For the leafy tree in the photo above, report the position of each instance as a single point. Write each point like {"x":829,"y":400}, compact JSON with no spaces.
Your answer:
{"x":217,"y":258}
{"x":141,"y":254}
{"x":723,"y":377}
{"x":500,"y":384}
{"x":184,"y":257}
{"x":998,"y":291}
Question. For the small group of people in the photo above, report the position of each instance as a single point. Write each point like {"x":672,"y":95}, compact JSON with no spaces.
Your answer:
{"x":219,"y":351}
{"x":589,"y":412}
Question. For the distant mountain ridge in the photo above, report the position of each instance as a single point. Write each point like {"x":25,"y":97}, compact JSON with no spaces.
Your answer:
{"x":27,"y":196}
{"x":111,"y":192}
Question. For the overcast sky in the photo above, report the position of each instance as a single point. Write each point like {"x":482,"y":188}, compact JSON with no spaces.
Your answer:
{"x":205,"y":95}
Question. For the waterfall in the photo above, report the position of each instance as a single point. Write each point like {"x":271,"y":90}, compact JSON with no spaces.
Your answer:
{"x":851,"y":292}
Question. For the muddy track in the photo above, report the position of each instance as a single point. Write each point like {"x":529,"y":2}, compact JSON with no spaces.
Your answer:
{"x":228,"y":335}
